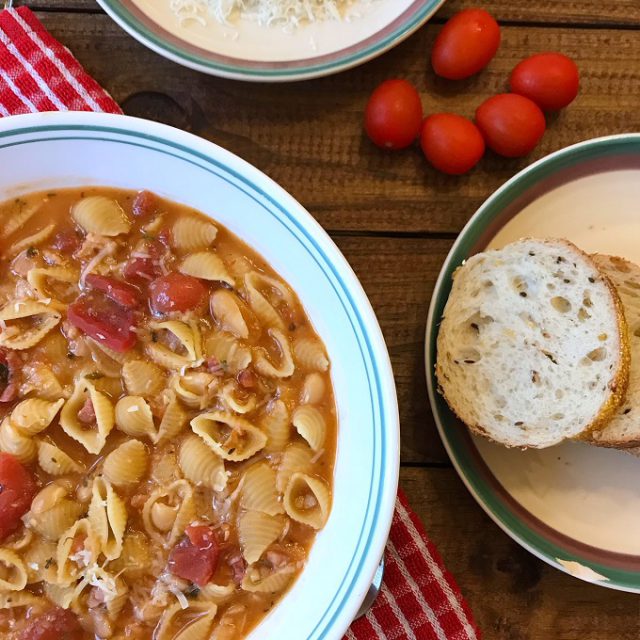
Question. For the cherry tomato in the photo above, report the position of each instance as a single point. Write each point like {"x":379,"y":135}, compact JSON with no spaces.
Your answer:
{"x":511,"y":125}
{"x":451,"y":143}
{"x":393,"y":115}
{"x":103,"y":320}
{"x":124,"y":294}
{"x":145,"y":204}
{"x":55,"y":624}
{"x":551,"y":80}
{"x":17,"y":488}
{"x":196,"y":557}
{"x":176,"y":292}
{"x":466,"y":44}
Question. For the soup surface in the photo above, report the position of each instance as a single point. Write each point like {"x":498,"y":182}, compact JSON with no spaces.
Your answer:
{"x":167,"y":423}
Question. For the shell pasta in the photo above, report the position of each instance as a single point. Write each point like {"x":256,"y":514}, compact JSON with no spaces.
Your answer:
{"x":167,"y":423}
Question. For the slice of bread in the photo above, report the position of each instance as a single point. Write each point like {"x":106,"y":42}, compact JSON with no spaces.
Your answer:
{"x":533,"y":344}
{"x":624,"y":428}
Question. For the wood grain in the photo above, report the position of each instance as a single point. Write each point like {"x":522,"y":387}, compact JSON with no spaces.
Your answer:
{"x":578,"y":12}
{"x":383,"y":211}
{"x":398,"y":275}
{"x":514,"y":596}
{"x":308,"y":136}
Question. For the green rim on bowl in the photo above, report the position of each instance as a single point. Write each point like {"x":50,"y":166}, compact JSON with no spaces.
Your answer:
{"x":60,"y":132}
{"x":620,"y":571}
{"x":129,"y":16}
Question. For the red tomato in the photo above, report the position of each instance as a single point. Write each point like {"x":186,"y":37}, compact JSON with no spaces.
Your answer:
{"x":142,"y":270}
{"x":511,"y":125}
{"x":103,"y":320}
{"x":466,"y":44}
{"x":201,"y":536}
{"x":451,"y":143}
{"x":124,"y":294}
{"x":66,"y":242}
{"x":17,"y":488}
{"x":551,"y":80}
{"x":55,"y":624}
{"x":195,"y":558}
{"x":144,"y":204}
{"x":393,"y":115}
{"x":176,"y":292}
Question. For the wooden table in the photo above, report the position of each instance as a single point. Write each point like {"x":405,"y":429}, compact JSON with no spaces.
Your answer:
{"x":395,"y":220}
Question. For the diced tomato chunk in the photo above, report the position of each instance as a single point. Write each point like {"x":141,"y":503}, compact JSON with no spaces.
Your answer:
{"x":66,"y":242}
{"x":195,"y":558}
{"x":55,"y":624}
{"x":123,"y":293}
{"x":87,"y":414}
{"x":17,"y":488}
{"x":142,"y":270}
{"x":165,"y":236}
{"x":247,"y":378}
{"x":176,"y":292}
{"x":201,"y":536}
{"x":10,"y":365}
{"x":145,"y":204}
{"x":103,"y":320}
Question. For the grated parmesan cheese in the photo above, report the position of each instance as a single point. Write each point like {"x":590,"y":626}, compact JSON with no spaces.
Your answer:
{"x":288,"y":14}
{"x":182,"y":599}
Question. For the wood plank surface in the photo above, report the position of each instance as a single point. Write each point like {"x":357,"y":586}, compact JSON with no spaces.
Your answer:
{"x":398,"y":275}
{"x":514,"y":595}
{"x":308,"y":136}
{"x":395,"y":220}
{"x":575,"y":12}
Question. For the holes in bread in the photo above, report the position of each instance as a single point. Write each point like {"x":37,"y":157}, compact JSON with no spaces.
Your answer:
{"x":602,"y":337}
{"x":468,"y":356}
{"x":519,"y":283}
{"x":475,"y":323}
{"x":586,"y":299}
{"x":560,"y":304}
{"x":597,"y":355}
{"x":535,"y":377}
{"x":498,"y":417}
{"x":549,"y":355}
{"x":557,"y":416}
{"x":627,"y":411}
{"x":583,"y":314}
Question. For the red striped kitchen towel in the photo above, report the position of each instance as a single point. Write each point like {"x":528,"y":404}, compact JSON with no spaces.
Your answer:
{"x":419,"y":599}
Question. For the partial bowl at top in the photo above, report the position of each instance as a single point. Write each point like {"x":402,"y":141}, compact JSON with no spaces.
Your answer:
{"x":54,"y":150}
{"x":245,"y":50}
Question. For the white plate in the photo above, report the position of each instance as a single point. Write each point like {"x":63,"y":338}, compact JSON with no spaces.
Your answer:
{"x":247,"y":51}
{"x":575,"y":506}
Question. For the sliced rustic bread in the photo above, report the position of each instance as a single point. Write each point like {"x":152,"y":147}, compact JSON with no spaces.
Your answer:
{"x":533,"y":345}
{"x":624,"y":428}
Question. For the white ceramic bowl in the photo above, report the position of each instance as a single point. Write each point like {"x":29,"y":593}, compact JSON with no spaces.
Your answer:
{"x":43,"y":151}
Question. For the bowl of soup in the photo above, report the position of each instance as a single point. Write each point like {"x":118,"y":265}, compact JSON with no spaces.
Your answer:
{"x":198,"y":424}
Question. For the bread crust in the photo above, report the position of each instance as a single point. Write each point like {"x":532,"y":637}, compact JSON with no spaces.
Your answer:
{"x":620,"y":378}
{"x":620,"y":382}
{"x":628,"y":442}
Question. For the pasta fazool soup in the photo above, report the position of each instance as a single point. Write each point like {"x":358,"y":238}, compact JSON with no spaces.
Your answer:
{"x":167,"y":423}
